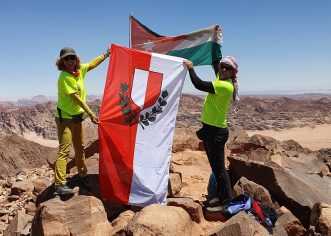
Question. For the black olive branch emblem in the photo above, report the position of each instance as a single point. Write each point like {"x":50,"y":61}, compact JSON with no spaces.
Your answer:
{"x":131,"y":115}
{"x":157,"y":109}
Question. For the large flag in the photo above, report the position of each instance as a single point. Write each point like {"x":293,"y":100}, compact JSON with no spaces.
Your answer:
{"x":202,"y":47}
{"x":137,"y":121}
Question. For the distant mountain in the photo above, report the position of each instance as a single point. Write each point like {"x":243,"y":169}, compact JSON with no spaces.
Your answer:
{"x":40,"y":98}
{"x":92,"y":98}
{"x":290,"y":93}
{"x":25,"y":119}
{"x":38,"y":119}
{"x":7,"y":105}
{"x":35,"y":100}
{"x":24,"y":102}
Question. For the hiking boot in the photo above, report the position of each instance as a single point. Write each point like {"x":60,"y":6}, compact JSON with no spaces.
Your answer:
{"x":212,"y":202}
{"x":63,"y":190}
{"x":85,"y":183}
{"x":218,"y":208}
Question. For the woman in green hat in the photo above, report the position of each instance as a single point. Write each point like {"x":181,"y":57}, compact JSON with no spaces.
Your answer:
{"x":71,"y":110}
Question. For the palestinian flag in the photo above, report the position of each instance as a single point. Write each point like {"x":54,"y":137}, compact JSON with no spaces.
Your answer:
{"x":202,"y":47}
{"x":137,"y":122}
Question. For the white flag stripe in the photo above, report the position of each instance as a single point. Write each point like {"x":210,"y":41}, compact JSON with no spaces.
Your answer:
{"x":139,"y":87}
{"x":197,"y":38}
{"x":154,"y":143}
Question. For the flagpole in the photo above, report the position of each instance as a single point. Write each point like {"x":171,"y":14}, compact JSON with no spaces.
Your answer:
{"x":130,"y":29}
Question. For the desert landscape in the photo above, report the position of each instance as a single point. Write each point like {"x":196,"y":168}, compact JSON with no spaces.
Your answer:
{"x":279,"y":152}
{"x":312,"y":137}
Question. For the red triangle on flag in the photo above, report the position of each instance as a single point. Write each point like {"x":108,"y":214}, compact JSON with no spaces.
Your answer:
{"x":142,"y":38}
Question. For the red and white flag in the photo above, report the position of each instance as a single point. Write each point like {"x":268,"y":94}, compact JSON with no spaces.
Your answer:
{"x":137,"y":122}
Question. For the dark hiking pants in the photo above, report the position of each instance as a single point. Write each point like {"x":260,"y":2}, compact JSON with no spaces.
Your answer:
{"x":214,"y":140}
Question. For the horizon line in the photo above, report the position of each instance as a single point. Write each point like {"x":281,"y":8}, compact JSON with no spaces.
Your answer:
{"x":242,"y":93}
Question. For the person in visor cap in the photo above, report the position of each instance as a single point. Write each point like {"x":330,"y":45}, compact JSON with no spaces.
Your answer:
{"x":71,"y":110}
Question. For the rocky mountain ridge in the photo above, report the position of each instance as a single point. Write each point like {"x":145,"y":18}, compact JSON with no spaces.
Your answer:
{"x":254,"y":113}
{"x":261,"y":113}
{"x":38,"y":119}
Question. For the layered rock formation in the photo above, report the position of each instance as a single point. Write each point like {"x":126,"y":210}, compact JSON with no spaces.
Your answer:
{"x":282,"y":175}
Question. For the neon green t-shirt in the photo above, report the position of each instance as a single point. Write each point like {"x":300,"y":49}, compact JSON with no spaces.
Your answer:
{"x":215,"y":107}
{"x":69,"y":84}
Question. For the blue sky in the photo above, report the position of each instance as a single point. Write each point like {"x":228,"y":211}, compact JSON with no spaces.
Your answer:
{"x":279,"y":45}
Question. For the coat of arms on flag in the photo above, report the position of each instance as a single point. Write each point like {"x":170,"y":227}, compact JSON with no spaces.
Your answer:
{"x":137,"y":121}
{"x":202,"y":47}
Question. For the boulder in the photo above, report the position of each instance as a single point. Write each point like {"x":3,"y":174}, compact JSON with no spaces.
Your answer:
{"x":41,"y":184}
{"x":321,"y":218}
{"x":159,"y":220}
{"x":121,"y":222}
{"x":31,"y":208}
{"x":20,"y":222}
{"x":80,"y":214}
{"x":192,"y":208}
{"x":21,"y":187}
{"x":174,"y":184}
{"x":240,"y":225}
{"x":324,"y":155}
{"x":238,"y":134}
{"x":258,"y":192}
{"x":3,"y":226}
{"x":288,"y":224}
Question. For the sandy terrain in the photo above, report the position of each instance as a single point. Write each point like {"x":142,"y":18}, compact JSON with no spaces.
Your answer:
{"x":39,"y":139}
{"x":195,"y":171}
{"x":313,"y":138}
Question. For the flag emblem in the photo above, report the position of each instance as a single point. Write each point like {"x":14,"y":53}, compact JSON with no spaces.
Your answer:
{"x":131,"y":116}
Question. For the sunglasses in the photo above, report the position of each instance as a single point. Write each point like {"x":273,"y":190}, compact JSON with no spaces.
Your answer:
{"x":71,"y":57}
{"x":228,"y":68}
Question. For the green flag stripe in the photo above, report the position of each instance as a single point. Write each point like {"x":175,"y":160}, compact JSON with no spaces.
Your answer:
{"x":204,"y":54}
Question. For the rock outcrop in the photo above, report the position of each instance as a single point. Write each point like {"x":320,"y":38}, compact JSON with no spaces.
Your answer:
{"x":80,"y":214}
{"x":294,"y":181}
{"x":321,"y":218}
{"x":162,"y":220}
{"x":240,"y":225}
